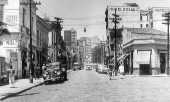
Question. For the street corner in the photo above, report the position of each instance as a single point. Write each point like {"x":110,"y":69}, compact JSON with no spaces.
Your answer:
{"x":18,"y":88}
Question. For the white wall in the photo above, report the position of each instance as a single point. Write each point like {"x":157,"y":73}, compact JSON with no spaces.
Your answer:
{"x":158,"y":19}
{"x":11,"y":15}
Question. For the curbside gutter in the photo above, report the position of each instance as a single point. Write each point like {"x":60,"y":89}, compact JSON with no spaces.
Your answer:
{"x":20,"y":91}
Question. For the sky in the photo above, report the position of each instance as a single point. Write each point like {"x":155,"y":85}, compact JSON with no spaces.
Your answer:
{"x":90,"y":14}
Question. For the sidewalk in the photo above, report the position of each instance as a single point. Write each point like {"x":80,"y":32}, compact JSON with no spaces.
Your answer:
{"x":20,"y":85}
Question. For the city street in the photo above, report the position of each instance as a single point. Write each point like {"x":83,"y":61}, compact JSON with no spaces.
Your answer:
{"x":89,"y":86}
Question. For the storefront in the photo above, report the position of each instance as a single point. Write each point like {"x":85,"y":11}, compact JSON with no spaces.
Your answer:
{"x":146,"y":49}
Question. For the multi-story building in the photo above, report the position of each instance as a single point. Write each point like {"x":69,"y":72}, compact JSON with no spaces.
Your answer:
{"x":15,"y":47}
{"x":157,"y":19}
{"x":70,"y":38}
{"x":42,"y":41}
{"x":126,"y":13}
{"x":86,"y":49}
{"x":95,"y":41}
{"x":140,"y":28}
{"x":146,"y":51}
{"x":56,"y":43}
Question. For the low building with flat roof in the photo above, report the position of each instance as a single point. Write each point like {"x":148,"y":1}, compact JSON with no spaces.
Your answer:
{"x":146,"y":49}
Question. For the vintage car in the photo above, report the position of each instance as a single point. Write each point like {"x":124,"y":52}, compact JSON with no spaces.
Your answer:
{"x":54,"y":73}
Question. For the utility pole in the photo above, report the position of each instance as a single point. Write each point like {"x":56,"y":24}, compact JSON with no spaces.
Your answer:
{"x":108,"y":36}
{"x":115,"y":21}
{"x":57,"y":27}
{"x":31,"y":68}
{"x":167,"y":19}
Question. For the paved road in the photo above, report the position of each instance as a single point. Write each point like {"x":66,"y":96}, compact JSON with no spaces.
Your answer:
{"x":89,"y":86}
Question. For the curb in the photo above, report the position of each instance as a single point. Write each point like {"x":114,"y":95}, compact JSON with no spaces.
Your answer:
{"x":13,"y":94}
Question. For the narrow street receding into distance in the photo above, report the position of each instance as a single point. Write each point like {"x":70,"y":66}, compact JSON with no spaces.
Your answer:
{"x":89,"y":86}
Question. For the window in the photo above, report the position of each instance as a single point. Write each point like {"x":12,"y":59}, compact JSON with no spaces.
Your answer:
{"x":140,"y":25}
{"x":38,"y":37}
{"x":147,"y":25}
{"x":1,"y":43}
{"x":140,"y":17}
{"x":147,"y":18}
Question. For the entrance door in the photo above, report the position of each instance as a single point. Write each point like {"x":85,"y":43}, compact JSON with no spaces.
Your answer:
{"x":145,"y":69}
{"x":162,"y":62}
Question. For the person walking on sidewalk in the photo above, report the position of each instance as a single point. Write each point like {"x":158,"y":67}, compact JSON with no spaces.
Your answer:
{"x":11,"y":73}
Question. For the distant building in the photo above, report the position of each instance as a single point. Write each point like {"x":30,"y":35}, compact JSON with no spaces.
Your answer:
{"x":95,"y":41}
{"x":86,"y":49}
{"x":56,"y":44}
{"x":70,"y":38}
{"x":43,"y":29}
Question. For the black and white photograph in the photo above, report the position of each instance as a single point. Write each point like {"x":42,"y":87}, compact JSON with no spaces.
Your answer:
{"x":84,"y":51}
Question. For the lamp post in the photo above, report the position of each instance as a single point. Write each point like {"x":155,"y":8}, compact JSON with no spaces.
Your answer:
{"x":30,"y":45}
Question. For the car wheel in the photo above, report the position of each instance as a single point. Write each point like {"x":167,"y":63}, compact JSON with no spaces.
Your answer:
{"x":46,"y":82}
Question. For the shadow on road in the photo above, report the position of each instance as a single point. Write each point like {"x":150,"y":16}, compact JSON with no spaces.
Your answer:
{"x":53,"y":83}
{"x":30,"y":94}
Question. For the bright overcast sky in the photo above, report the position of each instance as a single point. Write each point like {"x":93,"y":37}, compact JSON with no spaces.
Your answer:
{"x":88,"y":13}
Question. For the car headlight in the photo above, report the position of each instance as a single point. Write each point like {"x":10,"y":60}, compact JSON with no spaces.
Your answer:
{"x":55,"y":72}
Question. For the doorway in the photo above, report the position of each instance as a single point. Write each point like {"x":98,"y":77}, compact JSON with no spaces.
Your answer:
{"x":162,"y":62}
{"x":145,"y":69}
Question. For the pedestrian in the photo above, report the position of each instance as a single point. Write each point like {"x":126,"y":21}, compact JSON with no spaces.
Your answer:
{"x":34,"y":71}
{"x":11,"y":73}
{"x":43,"y":70}
{"x":38,"y":71}
{"x":121,"y":69}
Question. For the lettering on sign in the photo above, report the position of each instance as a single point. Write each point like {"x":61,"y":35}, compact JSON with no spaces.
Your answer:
{"x":124,"y":9}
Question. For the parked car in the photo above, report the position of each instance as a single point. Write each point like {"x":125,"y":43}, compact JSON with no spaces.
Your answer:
{"x":54,"y":73}
{"x":88,"y":67}
{"x":102,"y":68}
{"x":76,"y":66}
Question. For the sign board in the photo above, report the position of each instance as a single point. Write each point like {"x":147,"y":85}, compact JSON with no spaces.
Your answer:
{"x":121,"y":10}
{"x":3,"y":2}
{"x":143,"y":57}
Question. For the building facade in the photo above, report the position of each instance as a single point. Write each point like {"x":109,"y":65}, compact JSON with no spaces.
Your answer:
{"x":16,"y":16}
{"x":70,"y":38}
{"x":131,"y":17}
{"x":42,"y":41}
{"x":86,"y":49}
{"x":56,"y":44}
{"x":146,"y":51}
